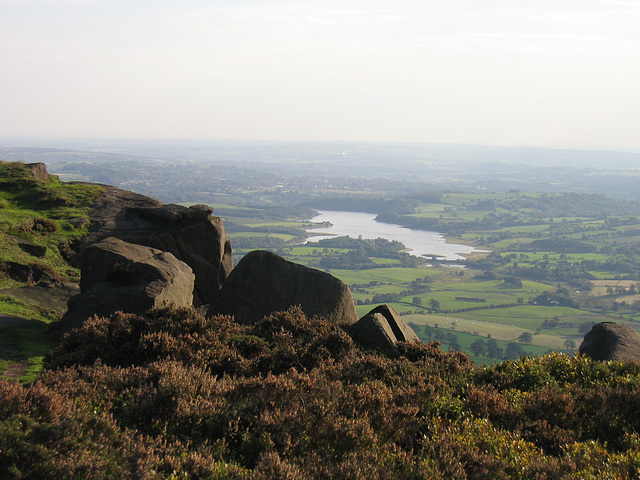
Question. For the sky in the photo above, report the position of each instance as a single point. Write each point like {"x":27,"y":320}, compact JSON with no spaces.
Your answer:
{"x":547,"y":73}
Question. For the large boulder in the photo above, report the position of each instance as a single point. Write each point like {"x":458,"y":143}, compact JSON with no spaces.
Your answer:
{"x":381,"y":329}
{"x":121,"y":276}
{"x":190,"y":234}
{"x":263,"y":283}
{"x":611,"y":341}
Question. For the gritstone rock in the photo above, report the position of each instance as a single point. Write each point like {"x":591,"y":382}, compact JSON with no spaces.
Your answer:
{"x":611,"y":341}
{"x":263,"y":283}
{"x":190,"y":234}
{"x":382,"y":328}
{"x":32,"y":248}
{"x":31,"y":273}
{"x":121,"y":276}
{"x":39,"y":171}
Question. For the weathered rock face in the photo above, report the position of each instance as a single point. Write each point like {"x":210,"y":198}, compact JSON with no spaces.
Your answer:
{"x":32,"y":248}
{"x":121,"y":276}
{"x":611,"y":341}
{"x":263,"y":283}
{"x":382,"y":328}
{"x":31,"y":273}
{"x":39,"y":171}
{"x":190,"y":234}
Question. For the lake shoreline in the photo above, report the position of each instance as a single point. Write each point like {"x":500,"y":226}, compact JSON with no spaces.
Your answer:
{"x":420,"y":243}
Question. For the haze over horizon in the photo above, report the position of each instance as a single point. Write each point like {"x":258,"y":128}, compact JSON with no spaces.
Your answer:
{"x":557,"y":74}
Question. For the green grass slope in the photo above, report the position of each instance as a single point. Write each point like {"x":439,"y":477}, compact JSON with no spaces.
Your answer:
{"x":40,"y":223}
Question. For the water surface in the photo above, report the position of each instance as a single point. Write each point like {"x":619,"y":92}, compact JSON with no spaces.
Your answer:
{"x":356,"y":224}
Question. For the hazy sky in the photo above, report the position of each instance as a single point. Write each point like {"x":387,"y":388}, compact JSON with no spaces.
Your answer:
{"x":554,"y":73}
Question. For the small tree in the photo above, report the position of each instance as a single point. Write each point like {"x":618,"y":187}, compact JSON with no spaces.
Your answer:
{"x":478,"y":347}
{"x":570,"y":345}
{"x":525,"y":337}
{"x":493,"y":350}
{"x":434,"y":304}
{"x":514,"y":351}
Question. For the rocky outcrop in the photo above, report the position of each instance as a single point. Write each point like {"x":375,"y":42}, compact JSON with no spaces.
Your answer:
{"x":31,"y":273}
{"x":54,"y":296}
{"x":39,"y":171}
{"x":611,"y":341}
{"x":31,"y":248}
{"x":263,"y":283}
{"x":381,"y":329}
{"x":121,"y":276}
{"x":191,"y":234}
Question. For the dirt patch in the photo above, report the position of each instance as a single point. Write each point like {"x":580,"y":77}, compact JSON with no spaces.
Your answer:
{"x":15,"y":370}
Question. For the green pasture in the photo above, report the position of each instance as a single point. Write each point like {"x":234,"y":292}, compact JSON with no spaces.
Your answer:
{"x":429,"y":208}
{"x":606,"y":275}
{"x":508,"y":242}
{"x":248,"y":235}
{"x":494,"y":292}
{"x":480,"y":328}
{"x":225,"y":206}
{"x":448,"y":300}
{"x":628,"y":239}
{"x":401,"y":307}
{"x":531,"y":257}
{"x":283,"y":236}
{"x":461,"y":199}
{"x":524,"y":229}
{"x":386,"y":288}
{"x":385,"y":261}
{"x":496,"y":286}
{"x":466,"y":339}
{"x":392,"y":275}
{"x":309,"y":249}
{"x":528,"y":316}
{"x":284,"y":223}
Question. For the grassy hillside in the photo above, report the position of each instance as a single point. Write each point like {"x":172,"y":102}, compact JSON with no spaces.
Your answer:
{"x":41,"y":222}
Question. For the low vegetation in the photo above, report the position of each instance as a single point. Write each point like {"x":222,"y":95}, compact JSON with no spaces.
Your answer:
{"x":48,"y":214}
{"x":41,"y":224}
{"x":172,"y":394}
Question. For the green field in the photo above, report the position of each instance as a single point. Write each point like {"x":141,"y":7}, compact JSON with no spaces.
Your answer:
{"x":491,"y":306}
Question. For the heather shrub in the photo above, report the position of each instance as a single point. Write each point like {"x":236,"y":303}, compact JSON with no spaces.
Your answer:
{"x":171,"y":394}
{"x":73,"y":439}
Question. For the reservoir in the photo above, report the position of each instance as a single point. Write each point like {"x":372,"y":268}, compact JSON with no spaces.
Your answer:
{"x":355,"y":224}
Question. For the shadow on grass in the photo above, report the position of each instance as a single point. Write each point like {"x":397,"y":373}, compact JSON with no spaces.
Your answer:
{"x":23,"y":345}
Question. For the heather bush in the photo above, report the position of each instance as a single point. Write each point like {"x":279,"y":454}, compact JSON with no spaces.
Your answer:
{"x":171,"y":394}
{"x":49,"y":435}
